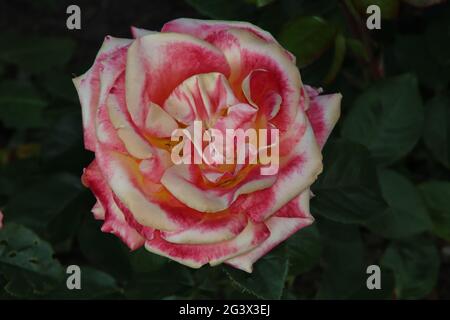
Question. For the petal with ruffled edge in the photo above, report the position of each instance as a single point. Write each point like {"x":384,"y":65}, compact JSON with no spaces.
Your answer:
{"x":262,"y":91}
{"x":124,"y":178}
{"x":289,"y":219}
{"x":213,"y":228}
{"x":177,"y":179}
{"x":135,"y":144}
{"x":200,"y":97}
{"x":98,"y":211}
{"x":159,"y":123}
{"x":139,"y":32}
{"x":297,"y":172}
{"x":204,"y":28}
{"x":245,"y":53}
{"x":158,"y":63}
{"x":196,"y":255}
{"x":323,"y":113}
{"x":106,"y":209}
{"x":93,"y":86}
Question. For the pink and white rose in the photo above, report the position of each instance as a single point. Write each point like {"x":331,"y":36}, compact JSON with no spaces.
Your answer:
{"x":227,"y":75}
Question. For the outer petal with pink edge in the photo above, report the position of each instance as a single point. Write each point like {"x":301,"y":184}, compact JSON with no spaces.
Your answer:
{"x":245,"y":53}
{"x":157,"y":63}
{"x":323,"y":113}
{"x":204,"y":28}
{"x":298,"y":170}
{"x":107,"y":209}
{"x":93,"y":86}
{"x":196,"y":255}
{"x":288,"y":220}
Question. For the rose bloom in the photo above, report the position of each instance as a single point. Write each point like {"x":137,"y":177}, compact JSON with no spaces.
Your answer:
{"x":227,"y":75}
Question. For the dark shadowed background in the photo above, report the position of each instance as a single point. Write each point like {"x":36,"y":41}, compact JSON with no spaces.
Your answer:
{"x":383,"y":198}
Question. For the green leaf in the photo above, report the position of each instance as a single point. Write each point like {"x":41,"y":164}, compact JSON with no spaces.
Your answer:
{"x":421,"y":62}
{"x":437,"y":198}
{"x":20,"y":105}
{"x":36,"y":53}
{"x":224,"y":9}
{"x":172,"y":280}
{"x":268,"y":277}
{"x":143,"y":261}
{"x":27,"y":262}
{"x":60,"y":85}
{"x":63,"y":228}
{"x":407,"y":214}
{"x":415,"y":263}
{"x":108,"y":254}
{"x":304,"y":250}
{"x":343,"y":256}
{"x":338,"y":59}
{"x":347,"y":190}
{"x":41,"y":202}
{"x":357,"y":49}
{"x":95,"y":284}
{"x":307,"y":38}
{"x":62,"y":144}
{"x":387,"y":283}
{"x":387,"y":118}
{"x":437,"y":128}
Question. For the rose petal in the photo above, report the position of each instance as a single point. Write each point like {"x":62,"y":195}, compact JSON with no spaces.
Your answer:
{"x":94,"y":85}
{"x":262,"y":91}
{"x":297,"y":172}
{"x":136,"y":145}
{"x":179,"y":178}
{"x":196,"y":255}
{"x":122,"y":174}
{"x":245,"y":53}
{"x":204,"y":28}
{"x":238,"y":116}
{"x":159,"y":123}
{"x":288,"y":220}
{"x":114,"y":218}
{"x":213,"y":228}
{"x":323,"y":113}
{"x":98,"y":211}
{"x":149,"y":203}
{"x":158,"y":63}
{"x":1,"y":219}
{"x":200,"y":97}
{"x":139,"y":32}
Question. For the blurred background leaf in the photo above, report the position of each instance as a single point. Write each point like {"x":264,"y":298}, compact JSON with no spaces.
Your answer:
{"x":347,"y":190}
{"x":268,"y":277}
{"x":437,"y":128}
{"x":27,"y":262}
{"x":20,"y":105}
{"x":387,"y":118}
{"x":36,"y":53}
{"x":437,"y":198}
{"x":307,"y":38}
{"x":406,"y":214}
{"x":415,"y":263}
